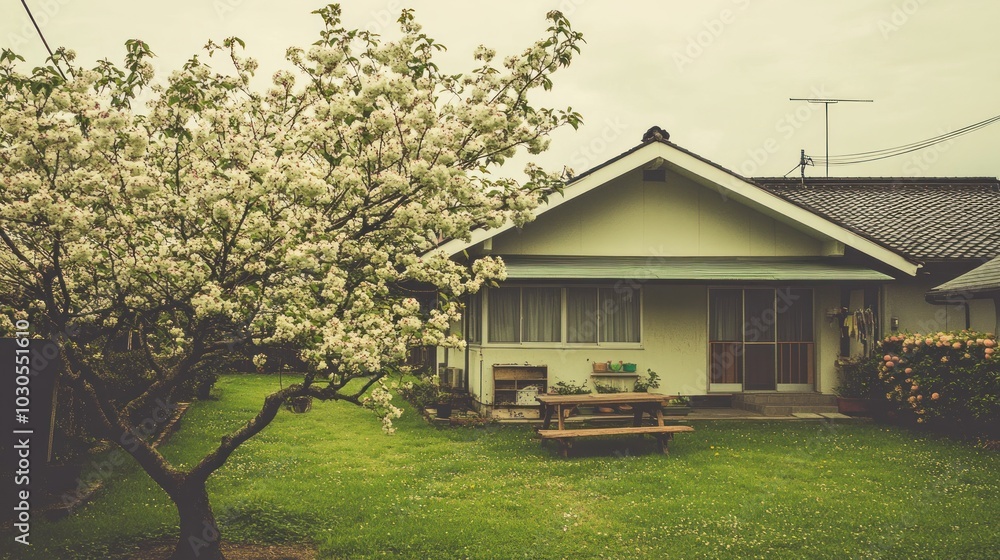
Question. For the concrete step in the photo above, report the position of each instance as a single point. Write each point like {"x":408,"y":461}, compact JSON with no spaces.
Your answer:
{"x":777,"y":410}
{"x":785,"y":404}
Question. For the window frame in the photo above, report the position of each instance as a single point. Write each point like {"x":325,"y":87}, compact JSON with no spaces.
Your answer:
{"x":563,"y":318}
{"x":776,"y":342}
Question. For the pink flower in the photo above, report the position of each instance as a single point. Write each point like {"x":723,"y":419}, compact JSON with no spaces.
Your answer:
{"x":935,"y":396}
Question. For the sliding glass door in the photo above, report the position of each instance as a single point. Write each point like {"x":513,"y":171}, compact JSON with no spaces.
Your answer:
{"x":761,"y":339}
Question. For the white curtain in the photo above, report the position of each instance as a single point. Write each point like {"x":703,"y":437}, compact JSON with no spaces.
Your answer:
{"x":725,"y":315}
{"x":541,"y":311}
{"x":795,"y":315}
{"x":581,"y":315}
{"x":619,"y":308}
{"x":504,"y":314}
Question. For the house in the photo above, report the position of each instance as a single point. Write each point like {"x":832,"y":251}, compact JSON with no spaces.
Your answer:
{"x":980,"y":283}
{"x":726,"y":286}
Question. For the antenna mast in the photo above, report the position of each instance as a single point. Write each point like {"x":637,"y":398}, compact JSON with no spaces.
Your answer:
{"x":826,"y":106}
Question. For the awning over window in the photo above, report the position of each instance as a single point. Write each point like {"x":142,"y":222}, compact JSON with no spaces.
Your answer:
{"x":684,"y":268}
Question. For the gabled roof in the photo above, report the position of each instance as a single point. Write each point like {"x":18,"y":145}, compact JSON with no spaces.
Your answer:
{"x":982,"y":280}
{"x":711,"y":175}
{"x":920,"y":218}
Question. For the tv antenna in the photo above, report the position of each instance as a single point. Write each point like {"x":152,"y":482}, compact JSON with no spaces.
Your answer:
{"x":826,"y":108}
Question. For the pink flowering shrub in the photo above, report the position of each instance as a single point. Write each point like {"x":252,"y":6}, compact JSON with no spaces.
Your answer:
{"x":945,"y":379}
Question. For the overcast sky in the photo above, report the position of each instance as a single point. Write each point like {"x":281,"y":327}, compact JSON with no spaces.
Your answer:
{"x":716,"y":74}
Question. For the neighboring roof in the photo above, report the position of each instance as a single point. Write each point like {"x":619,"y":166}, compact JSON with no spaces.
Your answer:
{"x":683,"y":268}
{"x":982,"y":280}
{"x":919,"y":218}
{"x":710,"y":175}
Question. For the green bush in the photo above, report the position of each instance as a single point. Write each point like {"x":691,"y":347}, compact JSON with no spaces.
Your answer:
{"x":858,"y":378}
{"x":949,"y":380}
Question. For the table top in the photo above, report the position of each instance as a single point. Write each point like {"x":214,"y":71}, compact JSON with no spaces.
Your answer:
{"x":603,"y":398}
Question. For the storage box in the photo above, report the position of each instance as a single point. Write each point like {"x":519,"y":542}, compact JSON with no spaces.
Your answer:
{"x":526,"y":396}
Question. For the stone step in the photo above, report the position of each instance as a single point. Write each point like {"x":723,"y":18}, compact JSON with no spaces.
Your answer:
{"x":779,"y":410}
{"x":790,"y":399}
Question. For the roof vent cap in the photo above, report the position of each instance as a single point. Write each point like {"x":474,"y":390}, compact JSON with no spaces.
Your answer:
{"x":655,"y":133}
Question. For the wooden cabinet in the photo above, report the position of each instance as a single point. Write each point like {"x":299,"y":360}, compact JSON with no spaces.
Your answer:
{"x":517,"y":385}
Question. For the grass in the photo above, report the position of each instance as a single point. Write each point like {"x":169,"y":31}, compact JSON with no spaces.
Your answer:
{"x":728,"y":490}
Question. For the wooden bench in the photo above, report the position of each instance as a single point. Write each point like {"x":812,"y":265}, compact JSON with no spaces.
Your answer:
{"x":663,"y":434}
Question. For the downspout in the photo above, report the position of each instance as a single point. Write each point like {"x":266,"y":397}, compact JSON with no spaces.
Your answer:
{"x":996,"y":314}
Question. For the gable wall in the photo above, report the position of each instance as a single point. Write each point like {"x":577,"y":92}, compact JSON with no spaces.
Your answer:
{"x":630,"y":217}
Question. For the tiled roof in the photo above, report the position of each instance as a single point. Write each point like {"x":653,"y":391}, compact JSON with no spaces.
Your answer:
{"x":985,"y":278}
{"x":919,"y":218}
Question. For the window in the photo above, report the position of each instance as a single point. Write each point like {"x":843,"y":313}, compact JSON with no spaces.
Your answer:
{"x":525,"y":315}
{"x":761,"y":337}
{"x":505,"y":315}
{"x":581,"y":315}
{"x":474,"y":319}
{"x":594,"y":315}
{"x":619,"y":314}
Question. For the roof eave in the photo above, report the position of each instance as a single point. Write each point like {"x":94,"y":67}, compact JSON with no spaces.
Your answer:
{"x":708,"y":174}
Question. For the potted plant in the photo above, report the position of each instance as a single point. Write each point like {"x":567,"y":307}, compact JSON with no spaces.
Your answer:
{"x":300,"y":404}
{"x":677,"y":406}
{"x":606,"y":387}
{"x":444,"y":403}
{"x":564,"y":388}
{"x":652,"y":381}
{"x":856,"y":390}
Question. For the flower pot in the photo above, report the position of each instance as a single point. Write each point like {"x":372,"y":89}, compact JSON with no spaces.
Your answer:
{"x":624,"y":408}
{"x":628,"y":368}
{"x":853,"y":405}
{"x":299,"y":405}
{"x":616,"y":367}
{"x":444,"y":410}
{"x":600,"y":367}
{"x":605,"y":409}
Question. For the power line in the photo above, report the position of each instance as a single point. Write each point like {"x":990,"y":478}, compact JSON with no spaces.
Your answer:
{"x":42,"y":37}
{"x":875,"y":155}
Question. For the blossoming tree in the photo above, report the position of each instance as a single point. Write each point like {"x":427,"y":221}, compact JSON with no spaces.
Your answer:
{"x":298,"y":215}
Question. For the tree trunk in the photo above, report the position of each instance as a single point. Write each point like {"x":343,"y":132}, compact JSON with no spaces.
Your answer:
{"x":199,"y":537}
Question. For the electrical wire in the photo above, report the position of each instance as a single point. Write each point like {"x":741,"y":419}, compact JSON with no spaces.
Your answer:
{"x":42,"y":37}
{"x":875,"y":155}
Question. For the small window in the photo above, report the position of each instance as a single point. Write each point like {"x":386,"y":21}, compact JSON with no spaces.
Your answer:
{"x":474,"y":319}
{"x":654,"y":175}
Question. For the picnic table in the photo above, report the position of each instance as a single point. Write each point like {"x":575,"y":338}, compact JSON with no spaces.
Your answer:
{"x":642,"y":404}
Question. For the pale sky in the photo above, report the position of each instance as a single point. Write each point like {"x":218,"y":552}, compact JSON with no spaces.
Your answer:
{"x":716,"y":74}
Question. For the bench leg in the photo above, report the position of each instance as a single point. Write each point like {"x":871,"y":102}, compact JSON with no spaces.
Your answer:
{"x":663,"y":440}
{"x":564,"y":445}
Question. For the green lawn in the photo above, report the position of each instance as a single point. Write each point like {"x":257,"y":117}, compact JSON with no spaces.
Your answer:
{"x":730,"y":489}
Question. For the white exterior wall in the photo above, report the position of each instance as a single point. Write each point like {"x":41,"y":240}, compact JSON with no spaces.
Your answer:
{"x":679,"y":218}
{"x":674,"y":344}
{"x":904,"y":299}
